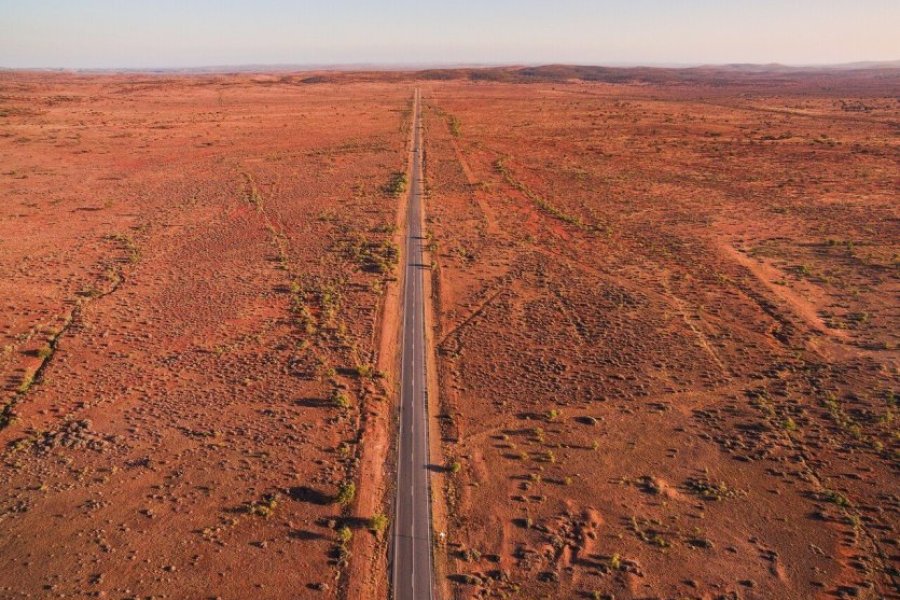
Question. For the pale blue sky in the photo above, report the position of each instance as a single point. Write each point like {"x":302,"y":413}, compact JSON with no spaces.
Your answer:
{"x":179,"y":33}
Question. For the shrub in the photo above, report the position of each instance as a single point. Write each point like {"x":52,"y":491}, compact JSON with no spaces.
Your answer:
{"x":27,"y":382}
{"x":378,"y":523}
{"x":615,"y":562}
{"x":396,"y":185}
{"x":836,"y":498}
{"x":345,"y":535}
{"x":339,"y":399}
{"x":264,"y":507}
{"x":346,"y":493}
{"x":364,"y":371}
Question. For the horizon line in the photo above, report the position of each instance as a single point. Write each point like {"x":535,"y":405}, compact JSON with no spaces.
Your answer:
{"x":412,"y":66}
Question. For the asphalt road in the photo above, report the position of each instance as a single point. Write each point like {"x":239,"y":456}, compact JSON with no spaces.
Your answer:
{"x":412,"y":559}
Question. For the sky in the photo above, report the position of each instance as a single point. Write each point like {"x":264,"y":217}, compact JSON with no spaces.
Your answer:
{"x":197,"y":33}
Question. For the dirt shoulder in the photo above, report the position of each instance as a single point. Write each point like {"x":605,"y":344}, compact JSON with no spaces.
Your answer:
{"x":369,"y":575}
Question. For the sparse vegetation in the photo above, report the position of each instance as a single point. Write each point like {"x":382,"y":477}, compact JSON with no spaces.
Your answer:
{"x":264,"y":507}
{"x":132,"y":253}
{"x":345,"y":535}
{"x":378,"y":523}
{"x":658,"y":279}
{"x":835,"y":498}
{"x":396,"y":185}
{"x":339,"y":399}
{"x":455,"y":126}
{"x":615,"y":562}
{"x":27,"y":382}
{"x":346,"y":493}
{"x":709,"y":490}
{"x":542,"y":203}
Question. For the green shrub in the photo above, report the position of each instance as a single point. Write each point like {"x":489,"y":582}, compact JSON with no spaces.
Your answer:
{"x":265,"y":507}
{"x":27,"y":382}
{"x":378,"y":523}
{"x":339,"y":399}
{"x":346,"y":493}
{"x":396,"y":185}
{"x":345,"y":535}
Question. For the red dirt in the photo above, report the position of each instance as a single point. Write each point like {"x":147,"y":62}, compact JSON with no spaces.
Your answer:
{"x":701,"y":282}
{"x":196,"y":247}
{"x":665,"y":324}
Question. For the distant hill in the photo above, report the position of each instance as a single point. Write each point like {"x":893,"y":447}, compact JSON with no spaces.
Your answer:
{"x":869,"y":74}
{"x":779,"y":68}
{"x":657,"y":75}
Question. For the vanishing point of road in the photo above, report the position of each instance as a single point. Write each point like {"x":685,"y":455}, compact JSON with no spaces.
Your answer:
{"x":412,"y":577}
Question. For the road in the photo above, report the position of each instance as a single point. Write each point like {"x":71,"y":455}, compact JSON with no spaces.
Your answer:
{"x":412,"y":559}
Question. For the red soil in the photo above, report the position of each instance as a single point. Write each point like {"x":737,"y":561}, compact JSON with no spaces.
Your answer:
{"x":668,"y":338}
{"x":665,"y":324}
{"x":189,"y":258}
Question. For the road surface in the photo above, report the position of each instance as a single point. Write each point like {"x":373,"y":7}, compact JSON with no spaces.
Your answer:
{"x":412,"y":560}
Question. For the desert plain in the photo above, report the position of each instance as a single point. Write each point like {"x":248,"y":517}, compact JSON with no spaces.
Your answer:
{"x":664,"y":322}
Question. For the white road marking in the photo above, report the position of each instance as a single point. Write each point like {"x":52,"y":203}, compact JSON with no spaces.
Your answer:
{"x":411,"y":460}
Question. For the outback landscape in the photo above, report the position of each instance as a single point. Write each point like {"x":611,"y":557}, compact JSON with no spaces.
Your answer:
{"x":192,"y":282}
{"x":667,"y":337}
{"x":662,"y":313}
